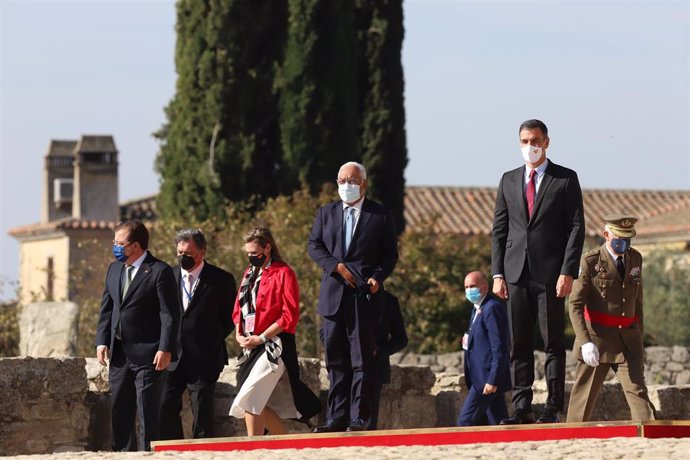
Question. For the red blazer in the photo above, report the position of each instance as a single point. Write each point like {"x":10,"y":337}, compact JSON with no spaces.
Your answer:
{"x":276,"y":302}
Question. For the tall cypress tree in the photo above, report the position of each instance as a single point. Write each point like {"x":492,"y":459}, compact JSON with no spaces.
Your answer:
{"x":221,"y":140}
{"x":318,"y":91}
{"x":380,"y":35}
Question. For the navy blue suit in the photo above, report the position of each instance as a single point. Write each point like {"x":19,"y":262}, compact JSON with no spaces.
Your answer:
{"x":148,"y":320}
{"x":487,"y":360}
{"x":349,"y":314}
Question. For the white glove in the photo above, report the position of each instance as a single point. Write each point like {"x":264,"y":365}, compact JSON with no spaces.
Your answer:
{"x":590,"y":354}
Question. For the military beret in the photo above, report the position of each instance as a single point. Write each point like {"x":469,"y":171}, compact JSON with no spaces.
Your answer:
{"x":623,"y":226}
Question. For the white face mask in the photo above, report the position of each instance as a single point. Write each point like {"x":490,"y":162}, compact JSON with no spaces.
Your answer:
{"x":348,"y":192}
{"x":531,"y":154}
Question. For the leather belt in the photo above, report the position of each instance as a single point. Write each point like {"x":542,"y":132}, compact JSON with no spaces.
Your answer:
{"x":604,"y":319}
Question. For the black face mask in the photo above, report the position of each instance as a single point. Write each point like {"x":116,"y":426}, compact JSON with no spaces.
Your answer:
{"x":257,"y":261}
{"x":186,"y":261}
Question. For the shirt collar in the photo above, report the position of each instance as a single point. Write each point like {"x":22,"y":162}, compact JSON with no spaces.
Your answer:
{"x":357,"y":206}
{"x":614,"y":256}
{"x":478,"y":305}
{"x":195,"y":273}
{"x":540,"y":169}
{"x":137,"y":263}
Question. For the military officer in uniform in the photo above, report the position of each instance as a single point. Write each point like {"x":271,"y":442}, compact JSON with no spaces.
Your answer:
{"x":606,"y":313}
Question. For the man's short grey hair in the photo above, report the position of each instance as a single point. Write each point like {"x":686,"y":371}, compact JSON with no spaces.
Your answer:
{"x":359,"y":166}
{"x":193,"y":234}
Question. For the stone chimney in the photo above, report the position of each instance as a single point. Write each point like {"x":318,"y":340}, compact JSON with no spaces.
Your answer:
{"x":95,"y":179}
{"x":58,"y":174}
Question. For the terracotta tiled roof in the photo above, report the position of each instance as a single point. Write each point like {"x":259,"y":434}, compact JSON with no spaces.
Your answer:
{"x":69,"y":223}
{"x":140,"y":208}
{"x":469,"y":210}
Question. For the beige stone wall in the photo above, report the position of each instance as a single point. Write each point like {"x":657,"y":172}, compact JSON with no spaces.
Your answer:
{"x":50,"y":405}
{"x":33,"y":261}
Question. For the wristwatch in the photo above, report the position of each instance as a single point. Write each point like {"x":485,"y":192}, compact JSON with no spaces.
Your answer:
{"x":263,"y":338}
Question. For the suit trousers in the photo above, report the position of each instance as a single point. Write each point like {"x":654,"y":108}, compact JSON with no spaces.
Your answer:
{"x":588,"y":383}
{"x":530,"y":302}
{"x":349,"y":344}
{"x":478,"y":405}
{"x":201,"y":395}
{"x":135,"y":391}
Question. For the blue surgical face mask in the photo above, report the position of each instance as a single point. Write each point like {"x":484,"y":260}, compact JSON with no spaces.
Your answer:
{"x":473,"y":294}
{"x":119,"y":253}
{"x":620,"y":245}
{"x":348,"y":192}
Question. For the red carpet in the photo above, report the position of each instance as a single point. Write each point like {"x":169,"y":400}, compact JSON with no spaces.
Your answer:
{"x":439,"y":436}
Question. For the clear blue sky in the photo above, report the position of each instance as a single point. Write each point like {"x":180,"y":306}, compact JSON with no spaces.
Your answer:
{"x":610,"y":79}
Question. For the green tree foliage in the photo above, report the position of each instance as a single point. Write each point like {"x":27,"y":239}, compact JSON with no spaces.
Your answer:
{"x":380,"y":35}
{"x":274,"y":94}
{"x":665,"y":278}
{"x":318,"y":91}
{"x":9,"y":329}
{"x":221,"y":140}
{"x":429,"y":283}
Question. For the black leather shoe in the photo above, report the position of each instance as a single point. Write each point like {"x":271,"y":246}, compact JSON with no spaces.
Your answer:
{"x":518,"y":418}
{"x":357,"y":424}
{"x":331,"y":426}
{"x":549,"y":416}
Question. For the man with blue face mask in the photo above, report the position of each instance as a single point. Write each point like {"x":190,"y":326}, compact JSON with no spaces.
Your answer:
{"x":355,"y":243}
{"x":137,"y":333}
{"x":487,"y":355}
{"x":606,"y":313}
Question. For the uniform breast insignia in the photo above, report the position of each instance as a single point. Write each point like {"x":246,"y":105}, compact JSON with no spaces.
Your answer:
{"x":635,"y":274}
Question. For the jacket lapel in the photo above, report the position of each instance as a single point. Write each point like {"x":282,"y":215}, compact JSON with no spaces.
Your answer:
{"x":545,"y":182}
{"x":364,"y":218}
{"x":199,"y":291}
{"x":339,"y":230}
{"x":519,"y":190}
{"x":116,"y":281}
{"x":142,"y":273}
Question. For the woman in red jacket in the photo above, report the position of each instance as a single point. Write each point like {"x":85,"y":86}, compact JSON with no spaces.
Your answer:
{"x":265,"y":316}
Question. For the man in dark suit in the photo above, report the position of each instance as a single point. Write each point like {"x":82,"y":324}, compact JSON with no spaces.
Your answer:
{"x":538,"y":235}
{"x":487,"y":355}
{"x":206,"y":298}
{"x":137,"y":327}
{"x":391,"y":337}
{"x":355,"y":242}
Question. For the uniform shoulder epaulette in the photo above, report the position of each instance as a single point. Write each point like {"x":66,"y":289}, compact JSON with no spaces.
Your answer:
{"x":590,"y":253}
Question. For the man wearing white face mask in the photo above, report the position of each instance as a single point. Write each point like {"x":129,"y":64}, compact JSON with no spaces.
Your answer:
{"x":606,"y":313}
{"x":538,"y":235}
{"x":355,"y":243}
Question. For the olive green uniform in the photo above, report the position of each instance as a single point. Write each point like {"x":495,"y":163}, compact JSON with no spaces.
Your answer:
{"x":601,"y":289}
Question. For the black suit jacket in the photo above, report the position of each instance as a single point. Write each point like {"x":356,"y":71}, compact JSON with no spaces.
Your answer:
{"x":373,"y":251}
{"x":206,"y":322}
{"x":551,"y":241}
{"x":148,"y":315}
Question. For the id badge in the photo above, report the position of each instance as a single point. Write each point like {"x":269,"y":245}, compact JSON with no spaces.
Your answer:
{"x":465,"y":339}
{"x":249,"y":323}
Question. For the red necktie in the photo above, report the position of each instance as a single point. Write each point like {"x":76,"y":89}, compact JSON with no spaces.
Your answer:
{"x":531,"y":192}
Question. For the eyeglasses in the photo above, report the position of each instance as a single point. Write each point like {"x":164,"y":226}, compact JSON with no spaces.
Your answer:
{"x":122,"y":244}
{"x":350,"y":181}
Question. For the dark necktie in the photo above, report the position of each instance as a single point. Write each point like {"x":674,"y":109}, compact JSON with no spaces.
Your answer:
{"x":128,"y":279}
{"x":531,"y":192}
{"x":620,"y":266}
